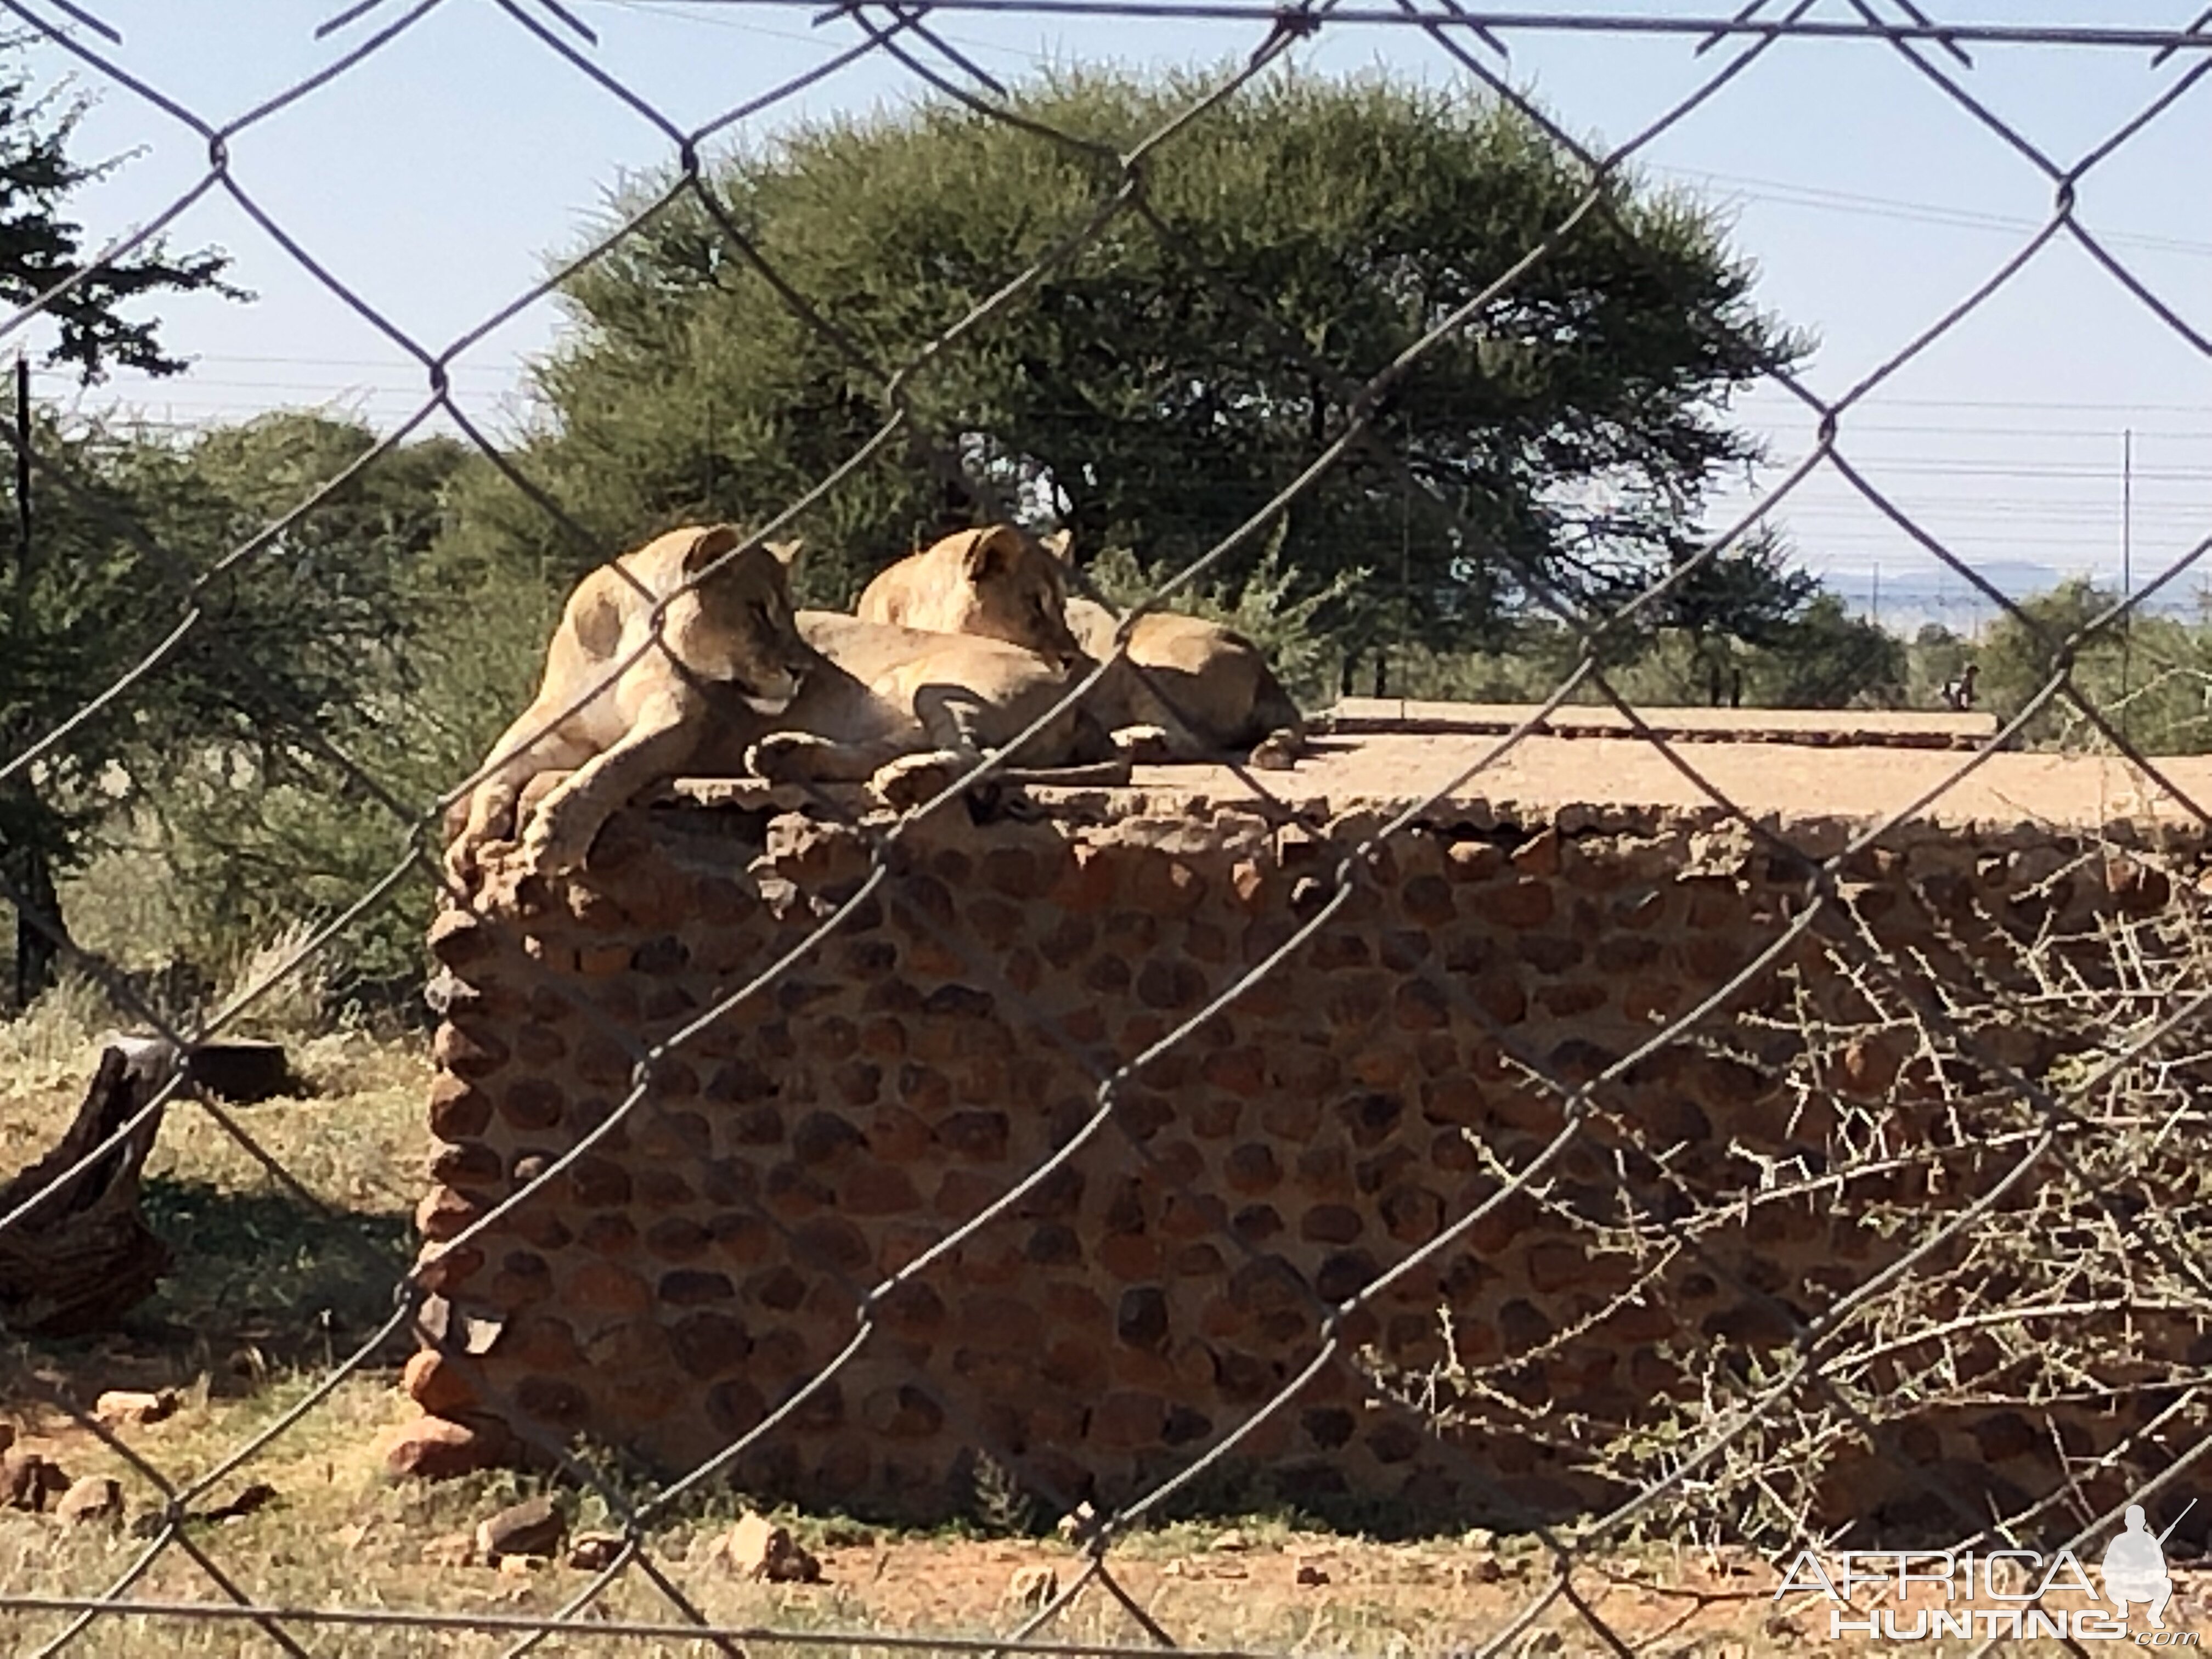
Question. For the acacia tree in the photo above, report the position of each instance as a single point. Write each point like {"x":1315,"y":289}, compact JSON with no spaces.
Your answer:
{"x":308,"y":641}
{"x":53,"y":642}
{"x":1161,"y":385}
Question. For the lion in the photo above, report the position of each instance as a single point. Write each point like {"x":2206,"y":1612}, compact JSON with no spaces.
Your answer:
{"x":1204,"y":689}
{"x":907,"y":709}
{"x":738,"y":681}
{"x":1192,"y":688}
{"x":997,"y":583}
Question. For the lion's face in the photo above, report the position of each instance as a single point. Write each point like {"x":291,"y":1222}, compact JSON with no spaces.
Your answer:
{"x":737,"y":626}
{"x":1005,"y":584}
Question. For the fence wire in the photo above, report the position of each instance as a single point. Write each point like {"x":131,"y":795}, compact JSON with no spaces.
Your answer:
{"x":2056,"y":1165}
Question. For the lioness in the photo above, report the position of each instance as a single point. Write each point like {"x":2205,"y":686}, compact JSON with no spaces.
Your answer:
{"x":999,"y":583}
{"x":734,"y":630}
{"x":739,"y":681}
{"x":1205,"y":688}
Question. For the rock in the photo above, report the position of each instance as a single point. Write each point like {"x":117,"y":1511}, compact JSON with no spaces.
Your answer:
{"x":127,"y":1408}
{"x":241,"y":1070}
{"x":519,"y":1566}
{"x":533,"y":1526}
{"x":1232,"y":1540}
{"x":1485,"y":1569}
{"x":757,"y":1548}
{"x":1311,"y":1572}
{"x":433,"y":1448}
{"x":595,"y":1551}
{"x":1075,"y":1526}
{"x":28,"y":1481}
{"x":454,"y":1549}
{"x":1031,"y":1588}
{"x":1539,"y":1642}
{"x":94,"y":1499}
{"x":6,"y":1438}
{"x":257,"y":1494}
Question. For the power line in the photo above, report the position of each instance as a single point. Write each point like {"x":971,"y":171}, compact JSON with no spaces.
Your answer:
{"x":1904,"y":210}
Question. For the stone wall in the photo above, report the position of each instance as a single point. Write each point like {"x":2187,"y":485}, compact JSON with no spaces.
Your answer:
{"x":704,"y":1260}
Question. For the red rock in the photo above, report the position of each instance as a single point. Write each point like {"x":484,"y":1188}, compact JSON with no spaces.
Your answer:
{"x":28,"y":1481}
{"x":756,"y":1548}
{"x":437,"y":1385}
{"x":436,"y":1449}
{"x":94,"y":1499}
{"x":535,"y":1527}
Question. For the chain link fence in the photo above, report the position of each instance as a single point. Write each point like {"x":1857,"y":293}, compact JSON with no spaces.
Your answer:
{"x":2076,"y":1213}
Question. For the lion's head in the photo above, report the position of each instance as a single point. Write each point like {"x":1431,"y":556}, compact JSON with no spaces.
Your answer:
{"x":999,"y":582}
{"x":737,"y":627}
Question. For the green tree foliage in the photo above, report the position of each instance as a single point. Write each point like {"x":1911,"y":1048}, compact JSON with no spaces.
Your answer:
{"x":1934,"y":659}
{"x":357,"y":653}
{"x":1266,"y":610}
{"x":2151,"y":676}
{"x":223,"y":750}
{"x":1156,"y":389}
{"x":1744,"y":629}
{"x":1823,"y":657}
{"x":41,"y":248}
{"x":1715,"y":613}
{"x":52,"y":639}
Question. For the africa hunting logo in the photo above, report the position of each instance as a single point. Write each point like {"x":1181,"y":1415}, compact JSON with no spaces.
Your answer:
{"x":2137,"y":1586}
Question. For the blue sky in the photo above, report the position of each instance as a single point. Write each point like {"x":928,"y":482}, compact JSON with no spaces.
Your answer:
{"x":435,"y":176}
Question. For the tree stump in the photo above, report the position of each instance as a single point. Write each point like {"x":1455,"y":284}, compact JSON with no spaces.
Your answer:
{"x":84,"y":1256}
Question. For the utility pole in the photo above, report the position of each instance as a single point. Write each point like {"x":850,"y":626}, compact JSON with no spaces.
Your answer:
{"x":32,"y":873}
{"x":19,"y":622}
{"x":1874,"y":604}
{"x":23,"y":471}
{"x":2127,"y":561}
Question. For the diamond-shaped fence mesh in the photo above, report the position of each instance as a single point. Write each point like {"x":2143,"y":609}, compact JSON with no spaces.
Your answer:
{"x":2007,"y":1087}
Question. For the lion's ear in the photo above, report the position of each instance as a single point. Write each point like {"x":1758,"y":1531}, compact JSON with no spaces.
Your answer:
{"x":707,"y":546}
{"x":1061,"y":544}
{"x":987,"y":552}
{"x":787,"y":553}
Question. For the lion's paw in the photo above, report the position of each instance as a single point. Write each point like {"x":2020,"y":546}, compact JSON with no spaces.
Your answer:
{"x":1149,"y":745}
{"x":911,"y":780}
{"x":464,"y":858}
{"x":1277,"y":752}
{"x":783,"y":756}
{"x":556,"y":843}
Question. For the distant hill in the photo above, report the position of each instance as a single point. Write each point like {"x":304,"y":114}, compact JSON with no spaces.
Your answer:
{"x":1904,"y":600}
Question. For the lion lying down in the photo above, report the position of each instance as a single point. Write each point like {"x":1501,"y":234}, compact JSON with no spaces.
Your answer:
{"x":1187,"y":687}
{"x":738,"y":682}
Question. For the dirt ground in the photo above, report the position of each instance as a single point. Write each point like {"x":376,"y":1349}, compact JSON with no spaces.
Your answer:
{"x":1250,"y":1587}
{"x":1785,"y":782}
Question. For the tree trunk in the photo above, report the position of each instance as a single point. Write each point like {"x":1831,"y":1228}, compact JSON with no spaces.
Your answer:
{"x":85,"y":1257}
